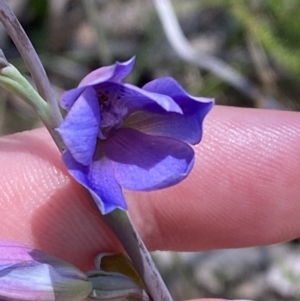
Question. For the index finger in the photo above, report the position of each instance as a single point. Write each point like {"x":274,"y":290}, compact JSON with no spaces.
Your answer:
{"x":243,"y":191}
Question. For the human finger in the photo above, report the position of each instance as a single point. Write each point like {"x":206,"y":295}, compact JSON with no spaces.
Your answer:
{"x":243,"y":191}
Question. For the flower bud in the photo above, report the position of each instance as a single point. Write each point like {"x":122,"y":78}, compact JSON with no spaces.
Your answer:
{"x":29,"y":274}
{"x":14,"y":82}
{"x":116,"y":279}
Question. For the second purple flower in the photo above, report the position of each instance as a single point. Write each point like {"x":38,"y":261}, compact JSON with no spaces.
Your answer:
{"x":118,"y":135}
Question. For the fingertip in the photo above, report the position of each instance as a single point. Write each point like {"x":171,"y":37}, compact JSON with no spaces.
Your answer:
{"x":244,"y":189}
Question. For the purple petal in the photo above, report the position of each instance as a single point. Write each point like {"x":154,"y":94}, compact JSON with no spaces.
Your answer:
{"x":128,"y":98}
{"x":30,"y":274}
{"x":186,"y":127}
{"x":69,"y":97}
{"x":80,"y":128}
{"x":113,"y":73}
{"x":141,"y":99}
{"x":144,"y":162}
{"x":99,"y":179}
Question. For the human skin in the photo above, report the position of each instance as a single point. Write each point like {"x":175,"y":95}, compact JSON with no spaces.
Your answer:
{"x":243,"y":191}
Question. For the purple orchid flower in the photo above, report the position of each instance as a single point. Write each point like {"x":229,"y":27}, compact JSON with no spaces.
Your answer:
{"x":29,"y":274}
{"x":120,"y":136}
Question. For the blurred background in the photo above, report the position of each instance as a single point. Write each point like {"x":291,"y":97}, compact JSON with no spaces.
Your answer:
{"x":242,"y":53}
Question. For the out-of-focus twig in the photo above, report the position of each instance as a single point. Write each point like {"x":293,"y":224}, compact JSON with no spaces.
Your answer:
{"x":104,"y":53}
{"x":214,"y":65}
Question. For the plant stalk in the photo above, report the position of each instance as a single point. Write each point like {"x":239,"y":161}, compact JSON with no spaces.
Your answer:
{"x":119,"y":222}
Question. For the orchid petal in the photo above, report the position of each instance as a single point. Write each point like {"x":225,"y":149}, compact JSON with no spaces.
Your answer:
{"x":132,"y":98}
{"x":81,"y":126}
{"x":144,"y":162}
{"x":186,"y":127}
{"x":69,"y":97}
{"x":112,"y":73}
{"x":164,"y":101}
{"x":169,"y":86}
{"x":99,"y":179}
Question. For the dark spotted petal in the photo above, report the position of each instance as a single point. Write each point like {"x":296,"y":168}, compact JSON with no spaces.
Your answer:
{"x":128,"y":98}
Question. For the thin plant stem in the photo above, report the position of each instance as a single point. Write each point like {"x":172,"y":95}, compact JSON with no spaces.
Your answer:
{"x":35,"y":67}
{"x":120,"y":223}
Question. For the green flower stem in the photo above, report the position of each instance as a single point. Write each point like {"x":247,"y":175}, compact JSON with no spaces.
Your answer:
{"x":120,"y":223}
{"x":29,"y":55}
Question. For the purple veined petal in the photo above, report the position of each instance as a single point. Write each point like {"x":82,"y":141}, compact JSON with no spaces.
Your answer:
{"x":147,"y":99}
{"x":69,"y":97}
{"x":30,"y":274}
{"x":80,"y":128}
{"x":127,"y":98}
{"x":112,"y":73}
{"x":144,"y":162}
{"x":187,"y":127}
{"x":99,"y":179}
